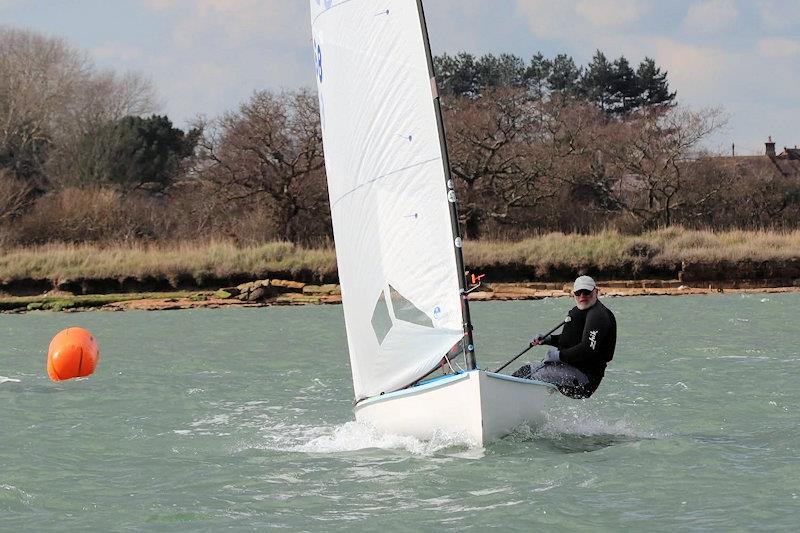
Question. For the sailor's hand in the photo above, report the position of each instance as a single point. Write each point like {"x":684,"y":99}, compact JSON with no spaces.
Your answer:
{"x":540,"y":338}
{"x":552,"y":356}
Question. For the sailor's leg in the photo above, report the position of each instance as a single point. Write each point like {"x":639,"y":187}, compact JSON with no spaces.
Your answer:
{"x":524,"y":371}
{"x":569,"y":380}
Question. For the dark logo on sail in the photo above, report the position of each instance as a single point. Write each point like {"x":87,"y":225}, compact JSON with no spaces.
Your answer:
{"x":318,"y":65}
{"x":318,"y":59}
{"x":397,"y":308}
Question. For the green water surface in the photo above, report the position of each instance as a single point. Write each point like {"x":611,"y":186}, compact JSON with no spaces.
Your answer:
{"x":241,"y":419}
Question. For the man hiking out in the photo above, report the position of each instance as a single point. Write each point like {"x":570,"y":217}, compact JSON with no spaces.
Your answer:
{"x":577,"y":360}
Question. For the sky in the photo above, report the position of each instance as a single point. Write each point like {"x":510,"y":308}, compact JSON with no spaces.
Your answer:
{"x":205,"y":57}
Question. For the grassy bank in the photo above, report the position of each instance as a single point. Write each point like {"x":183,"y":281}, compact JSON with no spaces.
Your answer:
{"x":547,"y":256}
{"x":609,"y":250}
{"x":197,"y":261}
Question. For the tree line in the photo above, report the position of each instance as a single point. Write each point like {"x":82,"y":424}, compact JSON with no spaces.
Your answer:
{"x":613,"y":86}
{"x":534,"y":146}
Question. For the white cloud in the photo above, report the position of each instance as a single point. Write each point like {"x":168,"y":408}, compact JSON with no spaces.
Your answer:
{"x":546,"y":18}
{"x":446,"y":25}
{"x":112,"y":52}
{"x":711,"y":16}
{"x":236,"y":20}
{"x":756,"y":90}
{"x":611,"y":13}
{"x":240,"y":21}
{"x":695,"y":71}
{"x":779,"y":48}
{"x":159,"y":5}
{"x":779,"y":14}
{"x":580,"y":21}
{"x":220,"y":51}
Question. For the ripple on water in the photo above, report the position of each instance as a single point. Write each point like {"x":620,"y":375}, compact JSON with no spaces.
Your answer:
{"x":573,"y":429}
{"x":13,"y":498}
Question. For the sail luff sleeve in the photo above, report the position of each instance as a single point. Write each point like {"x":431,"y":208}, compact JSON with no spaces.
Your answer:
{"x":469,"y":348}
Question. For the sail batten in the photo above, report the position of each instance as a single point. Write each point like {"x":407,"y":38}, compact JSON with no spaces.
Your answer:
{"x":386,"y":181}
{"x":371,"y":181}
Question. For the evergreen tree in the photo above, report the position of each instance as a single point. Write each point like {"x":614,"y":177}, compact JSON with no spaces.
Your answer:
{"x":133,"y":152}
{"x":564,"y":75}
{"x":457,"y":75}
{"x":598,"y":81}
{"x":464,"y":75}
{"x":614,"y":87}
{"x":653,"y":85}
{"x":626,"y":87}
{"x":507,"y":70}
{"x":537,"y":74}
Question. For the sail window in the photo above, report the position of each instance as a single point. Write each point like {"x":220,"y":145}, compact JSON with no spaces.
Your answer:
{"x":381,"y":320}
{"x":408,"y":312}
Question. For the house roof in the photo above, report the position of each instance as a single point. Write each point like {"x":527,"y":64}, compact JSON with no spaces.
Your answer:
{"x":762,"y":164}
{"x":791,"y":153}
{"x":785,"y":164}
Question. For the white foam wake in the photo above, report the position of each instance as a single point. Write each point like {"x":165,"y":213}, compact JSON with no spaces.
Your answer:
{"x":4,"y":379}
{"x":355,"y":436}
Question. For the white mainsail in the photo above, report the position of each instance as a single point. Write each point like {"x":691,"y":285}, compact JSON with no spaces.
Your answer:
{"x":388,"y":194}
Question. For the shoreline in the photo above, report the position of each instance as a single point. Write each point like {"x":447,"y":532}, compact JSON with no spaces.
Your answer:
{"x":267,"y":293}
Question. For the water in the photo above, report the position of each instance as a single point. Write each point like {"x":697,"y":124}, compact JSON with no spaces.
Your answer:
{"x":241,"y":419}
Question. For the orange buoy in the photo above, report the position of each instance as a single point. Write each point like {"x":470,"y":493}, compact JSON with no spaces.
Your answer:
{"x":72,"y":353}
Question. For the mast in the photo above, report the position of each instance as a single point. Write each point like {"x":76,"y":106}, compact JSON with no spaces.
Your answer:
{"x":469,"y":348}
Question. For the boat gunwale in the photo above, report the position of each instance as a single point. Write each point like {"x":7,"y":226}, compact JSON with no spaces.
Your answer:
{"x":444,"y":381}
{"x":432,"y":384}
{"x":506,"y":377}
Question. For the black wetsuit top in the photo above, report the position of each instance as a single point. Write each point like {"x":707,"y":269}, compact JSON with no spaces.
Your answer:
{"x":588,"y":340}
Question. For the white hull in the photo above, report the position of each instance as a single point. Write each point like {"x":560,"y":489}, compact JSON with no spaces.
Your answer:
{"x":481,"y":405}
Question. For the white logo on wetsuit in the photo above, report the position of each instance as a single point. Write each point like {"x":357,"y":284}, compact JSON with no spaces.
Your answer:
{"x":593,"y":339}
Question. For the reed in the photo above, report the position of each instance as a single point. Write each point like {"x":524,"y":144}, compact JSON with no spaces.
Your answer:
{"x":549,"y":250}
{"x":225,"y":259}
{"x":216,"y":259}
{"x":732,"y":246}
{"x":664,"y":246}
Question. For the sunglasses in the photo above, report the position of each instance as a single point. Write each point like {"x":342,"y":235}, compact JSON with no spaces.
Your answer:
{"x":582,"y":292}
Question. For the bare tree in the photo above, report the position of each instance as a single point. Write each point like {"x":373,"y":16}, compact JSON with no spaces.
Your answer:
{"x":492,"y":146}
{"x":50,"y":96}
{"x":15,"y":197}
{"x":270,"y":152}
{"x":36,"y":75}
{"x":639,"y":166}
{"x":763,"y":195}
{"x":648,"y":154}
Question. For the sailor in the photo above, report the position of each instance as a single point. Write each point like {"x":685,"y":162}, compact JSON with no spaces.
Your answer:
{"x":577,"y":360}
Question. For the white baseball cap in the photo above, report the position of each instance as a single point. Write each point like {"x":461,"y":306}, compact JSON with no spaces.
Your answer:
{"x":583,"y":283}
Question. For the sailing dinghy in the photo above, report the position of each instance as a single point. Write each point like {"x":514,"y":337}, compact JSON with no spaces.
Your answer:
{"x":395,"y":226}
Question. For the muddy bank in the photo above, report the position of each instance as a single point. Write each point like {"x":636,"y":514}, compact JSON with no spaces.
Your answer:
{"x":127,"y":285}
{"x":746,"y":273}
{"x":501,"y":292}
{"x":270,"y":292}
